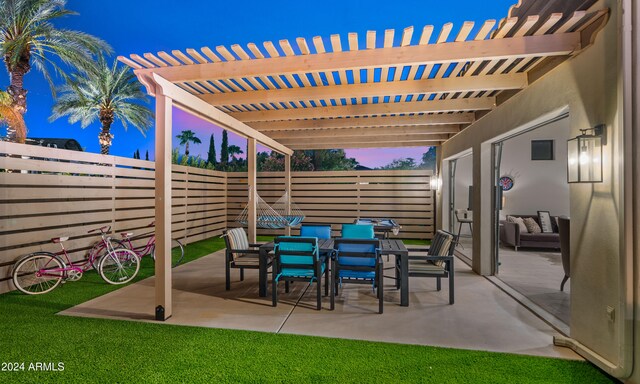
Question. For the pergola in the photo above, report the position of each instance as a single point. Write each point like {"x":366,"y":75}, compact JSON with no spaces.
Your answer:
{"x":363,"y":91}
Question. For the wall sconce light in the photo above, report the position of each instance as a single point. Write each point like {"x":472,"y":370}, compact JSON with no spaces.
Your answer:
{"x":435,"y":182}
{"x":584,"y":153}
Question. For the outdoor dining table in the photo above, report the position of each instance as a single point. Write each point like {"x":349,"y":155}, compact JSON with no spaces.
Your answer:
{"x":387,"y":247}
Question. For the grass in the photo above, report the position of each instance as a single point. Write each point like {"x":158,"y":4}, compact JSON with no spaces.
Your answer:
{"x":110,"y":351}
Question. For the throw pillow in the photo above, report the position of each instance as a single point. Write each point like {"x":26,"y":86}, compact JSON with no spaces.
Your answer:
{"x":532,"y":225}
{"x":519,"y":221}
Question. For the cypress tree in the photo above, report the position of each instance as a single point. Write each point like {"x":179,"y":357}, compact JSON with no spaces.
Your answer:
{"x":146,"y":156}
{"x":138,"y":154}
{"x":211,"y":155}
{"x":224,"y":149}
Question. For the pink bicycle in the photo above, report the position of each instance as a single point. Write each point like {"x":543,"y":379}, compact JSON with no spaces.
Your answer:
{"x":126,"y":241}
{"x":41,"y":272}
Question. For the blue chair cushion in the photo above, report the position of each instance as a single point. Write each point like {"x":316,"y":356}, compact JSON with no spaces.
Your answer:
{"x":357,"y":231}
{"x":357,"y":261}
{"x":319,"y":231}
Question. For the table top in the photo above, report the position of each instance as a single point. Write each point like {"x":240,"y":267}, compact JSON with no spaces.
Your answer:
{"x":387,"y":246}
{"x":378,"y":223}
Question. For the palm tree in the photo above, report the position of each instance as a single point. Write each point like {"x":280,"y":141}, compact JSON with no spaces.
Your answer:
{"x":9,"y":116}
{"x":28,"y":38}
{"x":185,"y":137}
{"x":107,"y":93}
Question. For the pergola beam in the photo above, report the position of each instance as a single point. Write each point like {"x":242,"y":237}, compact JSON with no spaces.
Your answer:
{"x":377,"y":131}
{"x":399,"y":88}
{"x":397,"y":121}
{"x":428,"y":54}
{"x":192,"y":104}
{"x":431,"y":106}
{"x":296,"y":142}
{"x":340,"y":145}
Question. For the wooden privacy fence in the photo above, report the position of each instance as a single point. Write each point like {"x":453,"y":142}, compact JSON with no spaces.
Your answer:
{"x":47,"y":192}
{"x":339,"y":197}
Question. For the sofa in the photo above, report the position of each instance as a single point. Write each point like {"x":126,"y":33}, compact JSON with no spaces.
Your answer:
{"x":511,"y":235}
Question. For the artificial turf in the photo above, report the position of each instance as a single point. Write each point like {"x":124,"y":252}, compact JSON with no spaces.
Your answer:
{"x":111,"y":351}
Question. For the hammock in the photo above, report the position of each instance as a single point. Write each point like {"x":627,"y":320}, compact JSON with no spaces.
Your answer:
{"x":267,"y":217}
{"x":293,"y":215}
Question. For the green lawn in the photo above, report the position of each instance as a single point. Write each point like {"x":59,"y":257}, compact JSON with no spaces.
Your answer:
{"x":96,"y":350}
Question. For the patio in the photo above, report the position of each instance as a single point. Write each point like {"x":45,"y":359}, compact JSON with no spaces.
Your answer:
{"x":201,"y":300}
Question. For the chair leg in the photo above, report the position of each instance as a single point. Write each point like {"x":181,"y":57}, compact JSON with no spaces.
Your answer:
{"x":459,"y":229}
{"x":380,"y":289}
{"x":286,"y":286}
{"x":319,"y":293}
{"x":326,"y":279}
{"x":451,"y":289}
{"x":564,"y":280}
{"x":438,"y":283}
{"x":332,"y":288}
{"x":470,"y":229}
{"x":274,"y":292}
{"x":227,"y":273}
{"x":241,"y":274}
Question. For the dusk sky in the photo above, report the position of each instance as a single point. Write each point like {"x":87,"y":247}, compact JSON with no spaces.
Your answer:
{"x":164,"y":25}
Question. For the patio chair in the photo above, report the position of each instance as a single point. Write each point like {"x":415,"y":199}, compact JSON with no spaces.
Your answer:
{"x":297,"y":259}
{"x":357,"y":261}
{"x":240,"y":254}
{"x":357,"y":231}
{"x":438,"y":261}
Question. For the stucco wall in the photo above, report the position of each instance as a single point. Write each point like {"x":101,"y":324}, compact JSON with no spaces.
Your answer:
{"x":590,"y":86}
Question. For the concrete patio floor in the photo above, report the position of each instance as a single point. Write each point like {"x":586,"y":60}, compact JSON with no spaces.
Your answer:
{"x":483,"y":317}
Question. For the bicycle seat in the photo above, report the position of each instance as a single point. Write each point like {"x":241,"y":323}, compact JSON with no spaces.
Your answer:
{"x":126,"y":234}
{"x":57,"y":240}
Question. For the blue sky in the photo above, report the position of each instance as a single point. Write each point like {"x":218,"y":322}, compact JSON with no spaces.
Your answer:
{"x":164,"y":25}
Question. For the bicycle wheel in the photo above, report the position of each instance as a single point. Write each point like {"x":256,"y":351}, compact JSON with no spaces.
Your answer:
{"x":119,"y":266}
{"x":38,"y":273}
{"x":177,"y":253}
{"x":99,"y":250}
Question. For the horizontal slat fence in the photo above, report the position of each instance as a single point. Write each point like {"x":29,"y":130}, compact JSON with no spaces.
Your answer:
{"x":339,"y":197}
{"x":47,"y":192}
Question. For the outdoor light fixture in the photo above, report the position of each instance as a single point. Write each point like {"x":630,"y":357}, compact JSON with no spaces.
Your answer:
{"x":585,"y":156}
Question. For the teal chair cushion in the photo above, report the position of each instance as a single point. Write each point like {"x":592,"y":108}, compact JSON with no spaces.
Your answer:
{"x":357,"y":231}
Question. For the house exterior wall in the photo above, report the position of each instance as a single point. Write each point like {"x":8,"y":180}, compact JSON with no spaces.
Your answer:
{"x":590,"y":87}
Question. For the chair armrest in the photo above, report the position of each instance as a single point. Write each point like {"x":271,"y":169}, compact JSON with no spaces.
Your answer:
{"x":256,"y":244}
{"x":254,"y":251}
{"x":431,"y":258}
{"x":418,"y":249}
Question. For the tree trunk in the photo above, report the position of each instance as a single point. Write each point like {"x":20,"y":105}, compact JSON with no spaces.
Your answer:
{"x":186,"y":149}
{"x":105,"y":137}
{"x":16,"y":130}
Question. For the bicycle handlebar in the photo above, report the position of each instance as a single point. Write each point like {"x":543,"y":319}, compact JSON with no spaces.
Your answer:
{"x":102,"y":229}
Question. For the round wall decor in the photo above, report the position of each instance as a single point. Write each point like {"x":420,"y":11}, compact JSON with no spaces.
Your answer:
{"x":506,"y":183}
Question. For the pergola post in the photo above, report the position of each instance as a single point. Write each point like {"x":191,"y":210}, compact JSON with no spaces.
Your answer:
{"x":287,"y":188}
{"x":253,"y":189}
{"x":163,"y":206}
